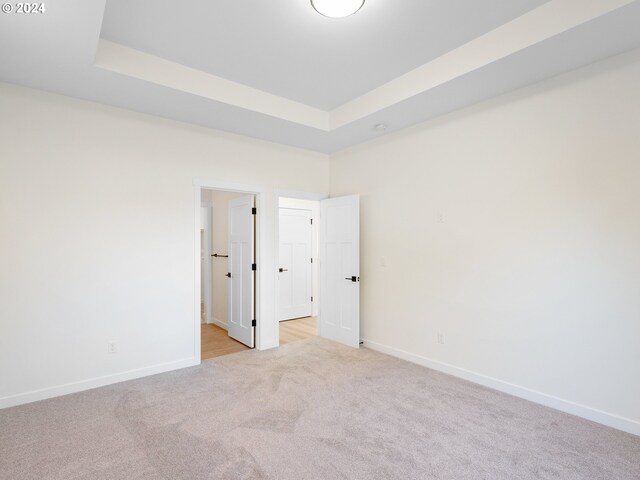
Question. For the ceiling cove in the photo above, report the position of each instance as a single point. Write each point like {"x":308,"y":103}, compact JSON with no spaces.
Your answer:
{"x":280,"y":72}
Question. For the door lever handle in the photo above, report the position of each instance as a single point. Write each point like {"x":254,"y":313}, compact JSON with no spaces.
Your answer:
{"x":282,"y":270}
{"x":228,"y":275}
{"x":353,"y":279}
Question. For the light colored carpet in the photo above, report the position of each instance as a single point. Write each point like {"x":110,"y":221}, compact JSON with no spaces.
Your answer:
{"x":310,"y":410}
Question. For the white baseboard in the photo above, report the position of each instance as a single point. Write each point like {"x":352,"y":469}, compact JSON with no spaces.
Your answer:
{"x":59,"y":390}
{"x":625,"y":424}
{"x":218,"y":323}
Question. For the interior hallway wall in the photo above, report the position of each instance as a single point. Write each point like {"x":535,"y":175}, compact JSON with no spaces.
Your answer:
{"x":97,"y":237}
{"x":220,"y":236}
{"x":513,"y":228}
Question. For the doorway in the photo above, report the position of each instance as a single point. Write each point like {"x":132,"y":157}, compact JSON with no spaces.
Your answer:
{"x":228,"y":266}
{"x":297,"y":268}
{"x":338,"y":264}
{"x":337,"y":252}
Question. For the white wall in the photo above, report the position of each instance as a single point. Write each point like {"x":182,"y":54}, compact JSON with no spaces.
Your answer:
{"x":97,"y":237}
{"x":314,"y":207}
{"x":206,"y":261}
{"x":534,"y":276}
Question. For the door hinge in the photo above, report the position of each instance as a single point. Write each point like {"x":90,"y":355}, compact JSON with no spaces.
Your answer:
{"x":254,"y":267}
{"x":312,"y":221}
{"x":312,"y":260}
{"x":253,"y":323}
{"x":312,"y":299}
{"x":254,"y":211}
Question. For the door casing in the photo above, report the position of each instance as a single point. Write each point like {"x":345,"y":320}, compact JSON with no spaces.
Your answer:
{"x":276,"y":250}
{"x":265,"y":316}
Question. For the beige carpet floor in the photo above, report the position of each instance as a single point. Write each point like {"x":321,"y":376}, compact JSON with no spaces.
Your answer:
{"x":310,"y":410}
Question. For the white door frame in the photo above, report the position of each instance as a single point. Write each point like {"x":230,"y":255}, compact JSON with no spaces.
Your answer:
{"x":261,"y":241}
{"x":276,"y":252}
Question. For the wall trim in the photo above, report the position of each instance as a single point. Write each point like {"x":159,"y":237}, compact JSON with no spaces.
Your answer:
{"x":218,"y":323}
{"x":74,"y":387}
{"x":611,"y":420}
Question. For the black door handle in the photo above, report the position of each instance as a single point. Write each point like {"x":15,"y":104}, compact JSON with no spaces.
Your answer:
{"x":282,"y":270}
{"x":228,"y":275}
{"x":353,"y":279}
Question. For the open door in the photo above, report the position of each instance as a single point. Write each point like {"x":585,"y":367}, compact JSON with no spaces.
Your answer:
{"x":241,"y":273}
{"x":339,"y":317}
{"x":295,"y":264}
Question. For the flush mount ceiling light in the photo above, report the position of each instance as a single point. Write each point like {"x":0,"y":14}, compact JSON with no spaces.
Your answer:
{"x":337,"y":8}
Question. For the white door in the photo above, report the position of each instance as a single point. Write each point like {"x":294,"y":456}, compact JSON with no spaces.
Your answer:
{"x":241,"y":274}
{"x":339,"y":317}
{"x":295,"y":263}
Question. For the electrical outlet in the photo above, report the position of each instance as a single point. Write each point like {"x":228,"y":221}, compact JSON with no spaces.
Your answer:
{"x":442,"y":217}
{"x":111,"y":347}
{"x":441,"y":338}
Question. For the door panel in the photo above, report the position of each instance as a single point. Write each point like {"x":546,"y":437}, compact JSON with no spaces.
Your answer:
{"x":295,"y":261}
{"x":241,"y":241}
{"x":339,"y":262}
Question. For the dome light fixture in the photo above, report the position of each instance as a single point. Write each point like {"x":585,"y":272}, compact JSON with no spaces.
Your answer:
{"x":337,"y":8}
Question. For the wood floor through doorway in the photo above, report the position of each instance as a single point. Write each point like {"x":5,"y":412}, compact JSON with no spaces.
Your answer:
{"x":298,"y":329}
{"x":215,"y":342}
